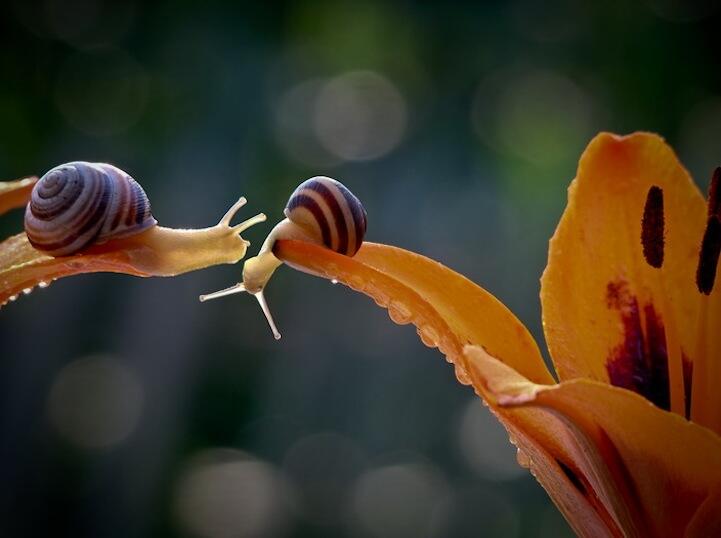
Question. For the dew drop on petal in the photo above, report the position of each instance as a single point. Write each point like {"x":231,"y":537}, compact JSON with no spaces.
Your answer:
{"x":334,"y":281}
{"x":399,"y":312}
{"x":380,"y":298}
{"x":43,"y":284}
{"x":356,"y":283}
{"x":428,"y":335}
{"x":27,"y":291}
{"x":523,"y":459}
{"x":462,"y":376}
{"x":332,"y":271}
{"x":13,"y":297}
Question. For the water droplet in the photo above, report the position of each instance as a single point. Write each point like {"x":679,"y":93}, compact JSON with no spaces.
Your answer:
{"x":43,"y":284}
{"x":331,"y":270}
{"x":428,"y":335}
{"x":356,"y":283}
{"x":462,"y":376}
{"x":523,"y":459}
{"x":334,"y":281}
{"x":399,"y":312}
{"x":27,"y":291}
{"x":13,"y":297}
{"x":379,"y":297}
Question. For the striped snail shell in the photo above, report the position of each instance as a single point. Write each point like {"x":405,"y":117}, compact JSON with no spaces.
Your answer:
{"x":326,"y":209}
{"x":78,"y":204}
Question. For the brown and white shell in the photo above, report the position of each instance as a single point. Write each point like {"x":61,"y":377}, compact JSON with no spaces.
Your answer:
{"x":79,"y":204}
{"x":326,"y":209}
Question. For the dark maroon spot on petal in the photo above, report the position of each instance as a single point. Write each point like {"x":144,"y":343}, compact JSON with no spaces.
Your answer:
{"x":640,"y":361}
{"x":687,"y":382}
{"x":714,"y":194}
{"x":652,"y":227}
{"x":616,"y":294}
{"x":708,"y":258}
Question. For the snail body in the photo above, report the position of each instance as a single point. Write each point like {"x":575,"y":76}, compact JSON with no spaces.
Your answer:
{"x":321,"y":210}
{"x":79,"y":204}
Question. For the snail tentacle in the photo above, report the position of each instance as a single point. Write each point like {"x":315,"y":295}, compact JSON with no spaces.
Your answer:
{"x":321,"y":210}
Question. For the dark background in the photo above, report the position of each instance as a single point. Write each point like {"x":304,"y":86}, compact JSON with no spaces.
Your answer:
{"x":129,"y":409}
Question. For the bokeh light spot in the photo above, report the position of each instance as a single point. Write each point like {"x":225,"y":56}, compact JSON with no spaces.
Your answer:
{"x":225,"y":493}
{"x":540,"y":116}
{"x":293,"y":115}
{"x":360,"y":116}
{"x":398,"y":500}
{"x":95,"y":402}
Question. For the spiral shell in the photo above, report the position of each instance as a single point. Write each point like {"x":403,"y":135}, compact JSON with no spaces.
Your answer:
{"x":326,"y":209}
{"x":78,"y":204}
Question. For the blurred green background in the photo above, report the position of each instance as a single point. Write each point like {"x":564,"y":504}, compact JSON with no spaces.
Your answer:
{"x":128,"y":409}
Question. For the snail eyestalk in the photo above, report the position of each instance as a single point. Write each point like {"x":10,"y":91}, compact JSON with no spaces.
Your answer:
{"x":240,"y":288}
{"x":256,"y":273}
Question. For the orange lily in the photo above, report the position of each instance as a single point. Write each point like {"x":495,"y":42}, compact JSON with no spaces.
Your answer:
{"x":628,"y":443}
{"x":157,"y":251}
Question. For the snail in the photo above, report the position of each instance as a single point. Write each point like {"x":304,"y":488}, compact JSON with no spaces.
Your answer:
{"x":79,"y":206}
{"x":321,"y":210}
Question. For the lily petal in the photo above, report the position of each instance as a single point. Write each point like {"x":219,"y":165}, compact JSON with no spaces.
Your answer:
{"x":448,"y":309}
{"x":15,"y":193}
{"x":660,"y":474}
{"x":607,"y":314}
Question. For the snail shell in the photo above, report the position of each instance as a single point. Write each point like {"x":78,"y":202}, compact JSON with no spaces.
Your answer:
{"x":326,"y":209}
{"x":78,"y":204}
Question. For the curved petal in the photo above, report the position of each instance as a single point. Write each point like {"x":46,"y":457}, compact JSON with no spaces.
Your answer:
{"x":607,"y":314}
{"x":655,"y":472}
{"x":15,"y":193}
{"x":448,"y":309}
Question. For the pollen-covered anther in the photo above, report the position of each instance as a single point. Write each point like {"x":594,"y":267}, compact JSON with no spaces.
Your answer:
{"x":708,"y":259}
{"x":652,"y":227}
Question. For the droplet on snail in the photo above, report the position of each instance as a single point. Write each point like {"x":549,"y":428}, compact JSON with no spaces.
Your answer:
{"x":322,"y":211}
{"x":79,"y":205}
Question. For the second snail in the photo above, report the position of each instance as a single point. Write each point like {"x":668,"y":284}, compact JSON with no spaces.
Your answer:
{"x":322,"y":211}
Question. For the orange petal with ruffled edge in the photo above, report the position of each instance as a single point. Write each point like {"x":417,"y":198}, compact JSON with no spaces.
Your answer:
{"x":653,"y":472}
{"x":157,"y":251}
{"x":607,"y":314}
{"x":448,"y":309}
